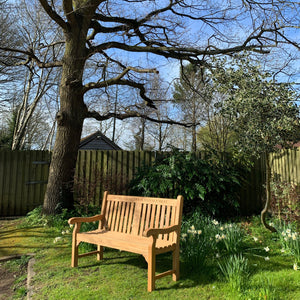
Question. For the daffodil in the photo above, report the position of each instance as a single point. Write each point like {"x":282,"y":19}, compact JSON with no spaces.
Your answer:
{"x":215,"y":222}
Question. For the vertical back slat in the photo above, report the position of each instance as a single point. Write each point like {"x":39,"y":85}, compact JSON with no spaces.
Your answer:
{"x":136,"y":219}
{"x":168,"y":221}
{"x":117,"y":225}
{"x":162,"y":219}
{"x":113,"y":222}
{"x":122,"y":217}
{"x":173,"y":220}
{"x":109,"y":213}
{"x":126,"y":218}
{"x":157,"y":215}
{"x":130,"y":220}
{"x":144,"y":208}
{"x":152,"y":219}
{"x":148,"y":215}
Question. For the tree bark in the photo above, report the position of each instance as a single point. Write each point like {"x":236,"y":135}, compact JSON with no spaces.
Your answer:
{"x":59,"y":193}
{"x":268,"y":195}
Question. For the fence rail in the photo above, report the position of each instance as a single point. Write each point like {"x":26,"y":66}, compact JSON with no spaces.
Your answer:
{"x":24,"y":174}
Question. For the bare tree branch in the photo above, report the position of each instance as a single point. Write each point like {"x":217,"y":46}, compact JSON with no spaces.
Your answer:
{"x":31,"y":56}
{"x":53,"y":14}
{"x":133,"y":114}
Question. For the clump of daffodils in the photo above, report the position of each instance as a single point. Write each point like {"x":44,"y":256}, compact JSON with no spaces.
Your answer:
{"x":290,"y":240}
{"x":192,"y":230}
{"x":288,"y":234}
{"x":220,"y":237}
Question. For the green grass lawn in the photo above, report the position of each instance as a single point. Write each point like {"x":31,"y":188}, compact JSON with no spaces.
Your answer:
{"x":123,"y":275}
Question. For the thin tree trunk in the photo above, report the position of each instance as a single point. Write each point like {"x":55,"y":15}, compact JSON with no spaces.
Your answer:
{"x":268,"y":195}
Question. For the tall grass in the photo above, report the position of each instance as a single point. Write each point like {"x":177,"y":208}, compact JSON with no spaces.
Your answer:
{"x":236,"y":272}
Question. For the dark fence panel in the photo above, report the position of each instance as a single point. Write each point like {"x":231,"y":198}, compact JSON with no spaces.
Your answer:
{"x":24,"y":174}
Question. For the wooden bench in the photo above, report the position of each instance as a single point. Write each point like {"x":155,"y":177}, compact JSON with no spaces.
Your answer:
{"x":142,"y":225}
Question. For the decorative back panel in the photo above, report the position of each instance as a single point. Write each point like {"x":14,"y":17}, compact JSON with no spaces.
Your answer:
{"x":133,"y":215}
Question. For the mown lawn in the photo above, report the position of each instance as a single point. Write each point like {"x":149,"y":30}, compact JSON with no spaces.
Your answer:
{"x":123,"y":275}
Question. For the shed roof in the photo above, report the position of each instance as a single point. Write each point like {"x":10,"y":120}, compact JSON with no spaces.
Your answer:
{"x":97,"y":141}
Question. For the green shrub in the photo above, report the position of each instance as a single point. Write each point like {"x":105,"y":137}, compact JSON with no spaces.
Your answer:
{"x":209,"y":184}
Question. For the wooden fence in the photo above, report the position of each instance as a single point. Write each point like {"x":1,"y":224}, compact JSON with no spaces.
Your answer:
{"x":23,"y":177}
{"x":107,"y":170}
{"x":286,"y":165}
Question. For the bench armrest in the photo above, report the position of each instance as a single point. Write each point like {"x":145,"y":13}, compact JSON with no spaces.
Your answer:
{"x":85,"y":219}
{"x":156,"y":231}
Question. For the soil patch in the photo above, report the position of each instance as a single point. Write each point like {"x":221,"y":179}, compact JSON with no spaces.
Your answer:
{"x":7,"y":279}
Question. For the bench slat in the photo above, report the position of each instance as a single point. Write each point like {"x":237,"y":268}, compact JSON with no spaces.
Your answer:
{"x":125,"y":225}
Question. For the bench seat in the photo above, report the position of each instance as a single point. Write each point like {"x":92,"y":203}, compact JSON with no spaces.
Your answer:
{"x":144,"y":225}
{"x":125,"y":242}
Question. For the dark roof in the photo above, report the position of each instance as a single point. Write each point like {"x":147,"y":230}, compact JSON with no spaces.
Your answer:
{"x":97,"y":141}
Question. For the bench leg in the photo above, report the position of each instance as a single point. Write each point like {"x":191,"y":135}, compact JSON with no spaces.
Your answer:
{"x":74,"y":262}
{"x":151,"y":272}
{"x":100,"y":252}
{"x":175,"y":254}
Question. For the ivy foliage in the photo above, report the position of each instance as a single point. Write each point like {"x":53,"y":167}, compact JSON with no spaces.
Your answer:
{"x":207,"y":184}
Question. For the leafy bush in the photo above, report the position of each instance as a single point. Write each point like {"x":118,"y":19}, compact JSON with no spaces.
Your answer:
{"x":205,"y":183}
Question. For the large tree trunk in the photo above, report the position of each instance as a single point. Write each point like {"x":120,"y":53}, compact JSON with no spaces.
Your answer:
{"x":70,"y":119}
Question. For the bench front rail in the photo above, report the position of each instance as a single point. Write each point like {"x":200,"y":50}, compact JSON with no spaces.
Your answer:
{"x":142,"y":225}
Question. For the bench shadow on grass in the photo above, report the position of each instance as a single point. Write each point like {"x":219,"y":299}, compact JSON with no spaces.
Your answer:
{"x":21,"y":240}
{"x":188,"y":277}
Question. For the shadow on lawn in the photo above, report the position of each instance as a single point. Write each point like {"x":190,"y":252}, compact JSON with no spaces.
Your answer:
{"x":188,"y":277}
{"x":21,"y":240}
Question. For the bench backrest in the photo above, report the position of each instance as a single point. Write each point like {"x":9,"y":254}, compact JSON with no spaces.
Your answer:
{"x":133,"y":215}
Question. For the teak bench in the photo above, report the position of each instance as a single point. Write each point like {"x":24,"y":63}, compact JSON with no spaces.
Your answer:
{"x":142,"y":225}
